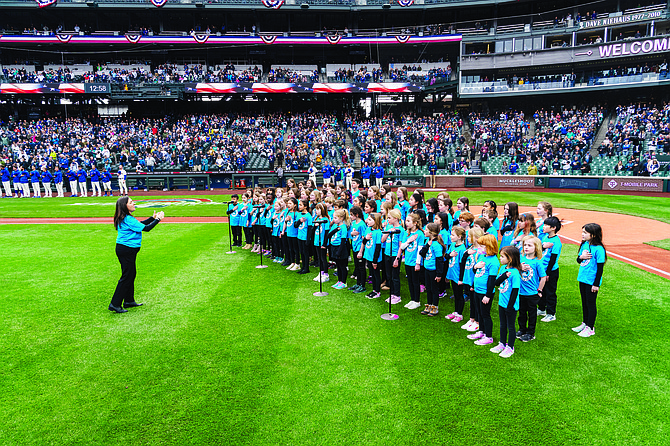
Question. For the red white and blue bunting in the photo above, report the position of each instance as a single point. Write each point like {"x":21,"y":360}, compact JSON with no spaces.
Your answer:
{"x":45,"y":3}
{"x":402,"y":39}
{"x":133,"y":38}
{"x":333,"y":40}
{"x":200,"y":38}
{"x":405,"y":3}
{"x":273,"y":4}
{"x":64,"y":38}
{"x":158,"y":3}
{"x":268,"y":39}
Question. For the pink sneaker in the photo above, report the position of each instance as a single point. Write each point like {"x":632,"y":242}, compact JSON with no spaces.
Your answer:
{"x":450,"y":316}
{"x":476,"y":336}
{"x":395,"y":300}
{"x":457,"y":318}
{"x":484,"y":341}
{"x":422,"y":289}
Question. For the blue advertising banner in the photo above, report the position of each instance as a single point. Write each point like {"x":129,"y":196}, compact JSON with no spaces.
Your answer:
{"x":573,"y":183}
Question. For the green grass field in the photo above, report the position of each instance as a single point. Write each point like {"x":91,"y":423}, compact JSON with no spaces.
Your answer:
{"x":224,"y":353}
{"x":665,"y":244}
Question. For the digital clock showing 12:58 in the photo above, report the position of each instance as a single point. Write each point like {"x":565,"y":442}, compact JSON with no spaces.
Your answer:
{"x":96,"y":88}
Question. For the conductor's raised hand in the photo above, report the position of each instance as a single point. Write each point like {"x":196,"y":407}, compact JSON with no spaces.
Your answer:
{"x":160,"y":215}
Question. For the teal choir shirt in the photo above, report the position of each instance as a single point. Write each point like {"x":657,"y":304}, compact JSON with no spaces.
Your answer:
{"x":454,"y":271}
{"x":490,"y":268}
{"x":530,"y":279}
{"x":356,"y":240}
{"x":370,"y":246}
{"x":302,"y":229}
{"x":589,"y":267}
{"x":556,"y":249}
{"x":434,"y":251}
{"x":512,"y":282}
{"x":412,"y":250}
{"x":130,"y":232}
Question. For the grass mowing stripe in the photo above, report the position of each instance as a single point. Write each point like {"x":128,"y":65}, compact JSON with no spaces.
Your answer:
{"x":226,"y":353}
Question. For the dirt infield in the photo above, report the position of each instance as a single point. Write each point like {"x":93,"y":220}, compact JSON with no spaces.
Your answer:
{"x":624,"y":235}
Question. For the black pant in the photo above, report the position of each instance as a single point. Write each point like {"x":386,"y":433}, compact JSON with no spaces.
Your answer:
{"x":548,"y":300}
{"x":237,"y":235}
{"x":376,"y":279}
{"x":528,"y":313}
{"x":507,"y":329}
{"x":393,"y":275}
{"x":589,"y":311}
{"x":341,"y":269}
{"x":304,"y":253}
{"x":321,"y":259}
{"x":293,"y":247}
{"x":470,"y":294}
{"x":483,"y":314}
{"x":248,"y":235}
{"x":459,"y":299}
{"x":359,"y":270}
{"x":125,"y":289}
{"x":432,"y":294}
{"x":413,"y":283}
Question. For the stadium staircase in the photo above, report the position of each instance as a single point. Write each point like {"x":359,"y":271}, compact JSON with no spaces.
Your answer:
{"x":531,"y":128}
{"x":600,"y":135}
{"x":349,"y":143}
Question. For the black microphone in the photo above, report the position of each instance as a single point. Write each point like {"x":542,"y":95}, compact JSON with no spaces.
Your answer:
{"x":392,"y":231}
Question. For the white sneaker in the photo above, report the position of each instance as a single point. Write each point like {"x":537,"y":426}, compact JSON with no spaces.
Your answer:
{"x":586,"y":332}
{"x":549,"y":318}
{"x":296,"y":267}
{"x":541,"y":312}
{"x":408,"y":304}
{"x":507,"y":352}
{"x":473,"y":327}
{"x":467,"y":324}
{"x":414,"y":305}
{"x":290,"y":267}
{"x":317,"y":278}
{"x":579,"y":328}
{"x":325,"y":277}
{"x":498,"y":348}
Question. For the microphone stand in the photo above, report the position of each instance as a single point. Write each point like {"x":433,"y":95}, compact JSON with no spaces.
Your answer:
{"x":319,"y":293}
{"x":230,"y":238}
{"x":260,"y":251}
{"x":390,"y":316}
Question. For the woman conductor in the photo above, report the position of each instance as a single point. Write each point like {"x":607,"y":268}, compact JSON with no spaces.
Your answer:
{"x":128,"y":242}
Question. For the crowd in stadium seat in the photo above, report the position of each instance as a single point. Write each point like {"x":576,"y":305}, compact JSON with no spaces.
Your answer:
{"x":315,"y":138}
{"x":166,"y":73}
{"x":506,"y":142}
